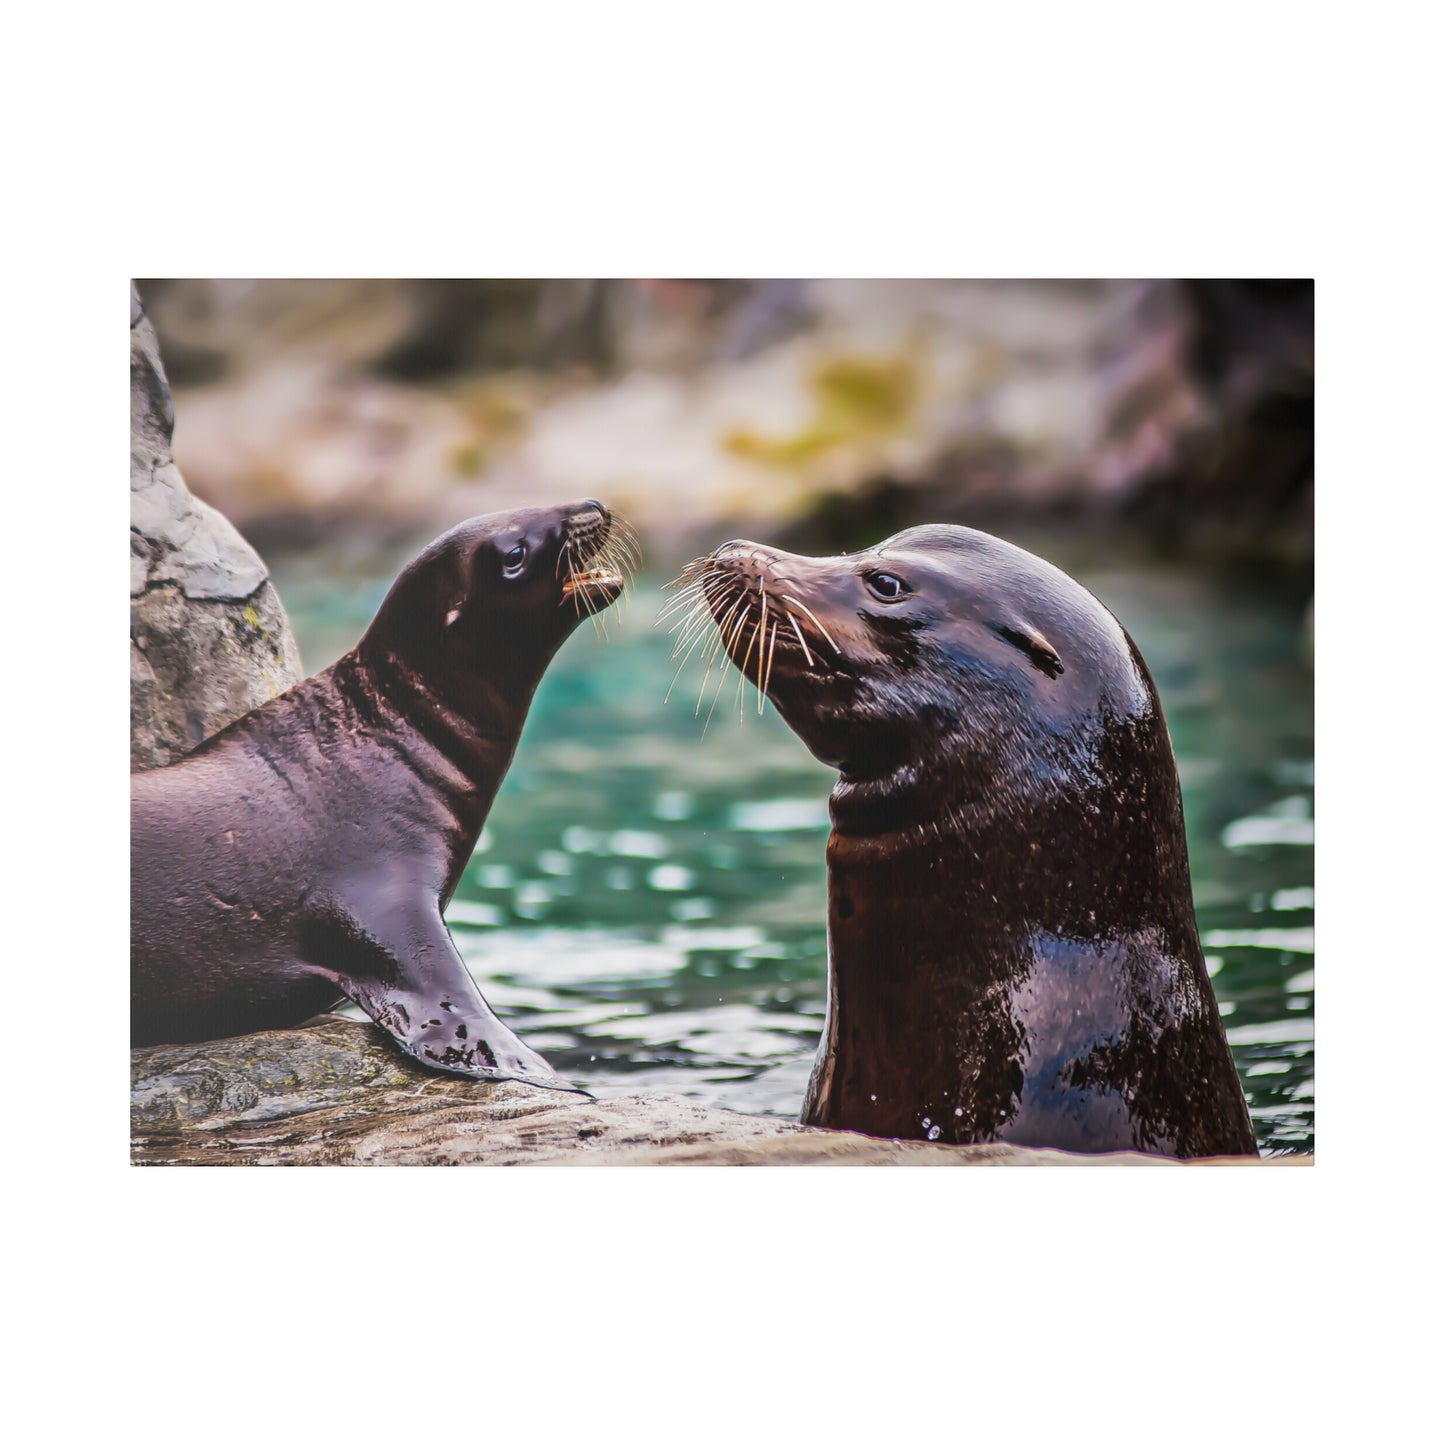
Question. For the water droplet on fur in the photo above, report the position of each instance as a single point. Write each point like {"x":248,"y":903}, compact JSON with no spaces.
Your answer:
{"x":934,"y":1132}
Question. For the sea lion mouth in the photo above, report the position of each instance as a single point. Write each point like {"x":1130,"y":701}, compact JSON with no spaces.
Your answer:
{"x":598,"y":581}
{"x":600,"y":556}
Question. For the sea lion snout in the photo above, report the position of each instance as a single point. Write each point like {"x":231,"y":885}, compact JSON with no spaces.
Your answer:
{"x":598,"y":557}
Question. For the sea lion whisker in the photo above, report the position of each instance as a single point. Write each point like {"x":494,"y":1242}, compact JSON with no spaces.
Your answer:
{"x":689,"y":594}
{"x":668,"y":694}
{"x":685,"y":603}
{"x":718,"y":644}
{"x":690,"y":643}
{"x":606,"y":553}
{"x":696,"y":607}
{"x":767,"y":682}
{"x":802,"y":641}
{"x":737,"y":626}
{"x":586,"y":594}
{"x":615,"y":558}
{"x":696,"y":630}
{"x":715,"y":645}
{"x":627,"y":532}
{"x":762,"y":627}
{"x":579,"y":594}
{"x":809,"y":611}
{"x":711,"y":663}
{"x":564,"y":560}
{"x":690,"y":572}
{"x":698,"y":616}
{"x":722,"y":676}
{"x":623,"y":565}
{"x":710,"y":611}
{"x":695,"y":595}
{"x":686,"y":659}
{"x":685,"y":589}
{"x":743,"y":670}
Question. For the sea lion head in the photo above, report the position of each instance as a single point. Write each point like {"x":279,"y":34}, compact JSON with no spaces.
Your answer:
{"x":937,"y":670}
{"x":498,"y":594}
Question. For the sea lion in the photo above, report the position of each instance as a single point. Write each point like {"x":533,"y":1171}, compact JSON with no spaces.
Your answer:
{"x":307,"y":851}
{"x":1012,"y":949}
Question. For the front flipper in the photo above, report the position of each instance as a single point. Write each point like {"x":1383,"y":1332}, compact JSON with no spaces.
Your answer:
{"x":401,"y":966}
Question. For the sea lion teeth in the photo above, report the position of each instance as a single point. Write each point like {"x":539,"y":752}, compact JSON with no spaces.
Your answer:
{"x":599,"y":577}
{"x":304,"y":854}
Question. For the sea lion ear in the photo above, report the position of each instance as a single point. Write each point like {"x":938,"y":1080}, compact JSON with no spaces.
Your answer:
{"x":1038,"y":647}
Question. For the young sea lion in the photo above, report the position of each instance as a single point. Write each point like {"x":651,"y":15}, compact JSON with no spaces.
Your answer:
{"x":1012,"y":947}
{"x":307,"y":851}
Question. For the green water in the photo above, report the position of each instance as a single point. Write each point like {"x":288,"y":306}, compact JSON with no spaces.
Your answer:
{"x":647,"y":904}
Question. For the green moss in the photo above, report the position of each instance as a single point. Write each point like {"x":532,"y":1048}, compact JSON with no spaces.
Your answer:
{"x":856,"y":398}
{"x":469,"y":459}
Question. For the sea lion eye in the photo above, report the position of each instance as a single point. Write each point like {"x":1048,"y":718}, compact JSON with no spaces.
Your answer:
{"x":512,"y":562}
{"x":886,"y":586}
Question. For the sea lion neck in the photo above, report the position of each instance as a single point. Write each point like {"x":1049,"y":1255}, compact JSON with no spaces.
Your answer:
{"x":460,"y":738}
{"x":1053,"y":842}
{"x":986,"y":914}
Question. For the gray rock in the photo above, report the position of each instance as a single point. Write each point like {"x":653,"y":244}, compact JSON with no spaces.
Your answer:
{"x":209,"y":637}
{"x":336,"y":1092}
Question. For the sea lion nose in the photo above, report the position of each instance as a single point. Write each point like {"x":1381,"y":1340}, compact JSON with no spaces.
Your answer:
{"x":593,"y":502}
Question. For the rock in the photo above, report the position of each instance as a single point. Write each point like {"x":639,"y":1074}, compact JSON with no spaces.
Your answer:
{"x":336,"y":1092}
{"x":209,"y":637}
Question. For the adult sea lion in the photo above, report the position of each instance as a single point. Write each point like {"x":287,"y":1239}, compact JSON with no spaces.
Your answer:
{"x":307,"y":851}
{"x":1012,"y":950}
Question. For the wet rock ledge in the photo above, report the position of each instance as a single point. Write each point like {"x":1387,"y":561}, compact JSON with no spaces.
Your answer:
{"x":335,"y":1092}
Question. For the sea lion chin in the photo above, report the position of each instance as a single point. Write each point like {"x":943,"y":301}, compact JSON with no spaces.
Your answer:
{"x":305,"y":853}
{"x":1013,"y":953}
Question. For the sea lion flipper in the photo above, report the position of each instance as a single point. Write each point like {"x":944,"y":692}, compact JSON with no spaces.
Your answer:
{"x":403,"y":969}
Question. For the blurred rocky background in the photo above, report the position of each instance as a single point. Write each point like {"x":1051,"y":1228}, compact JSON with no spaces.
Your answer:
{"x":819,"y":413}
